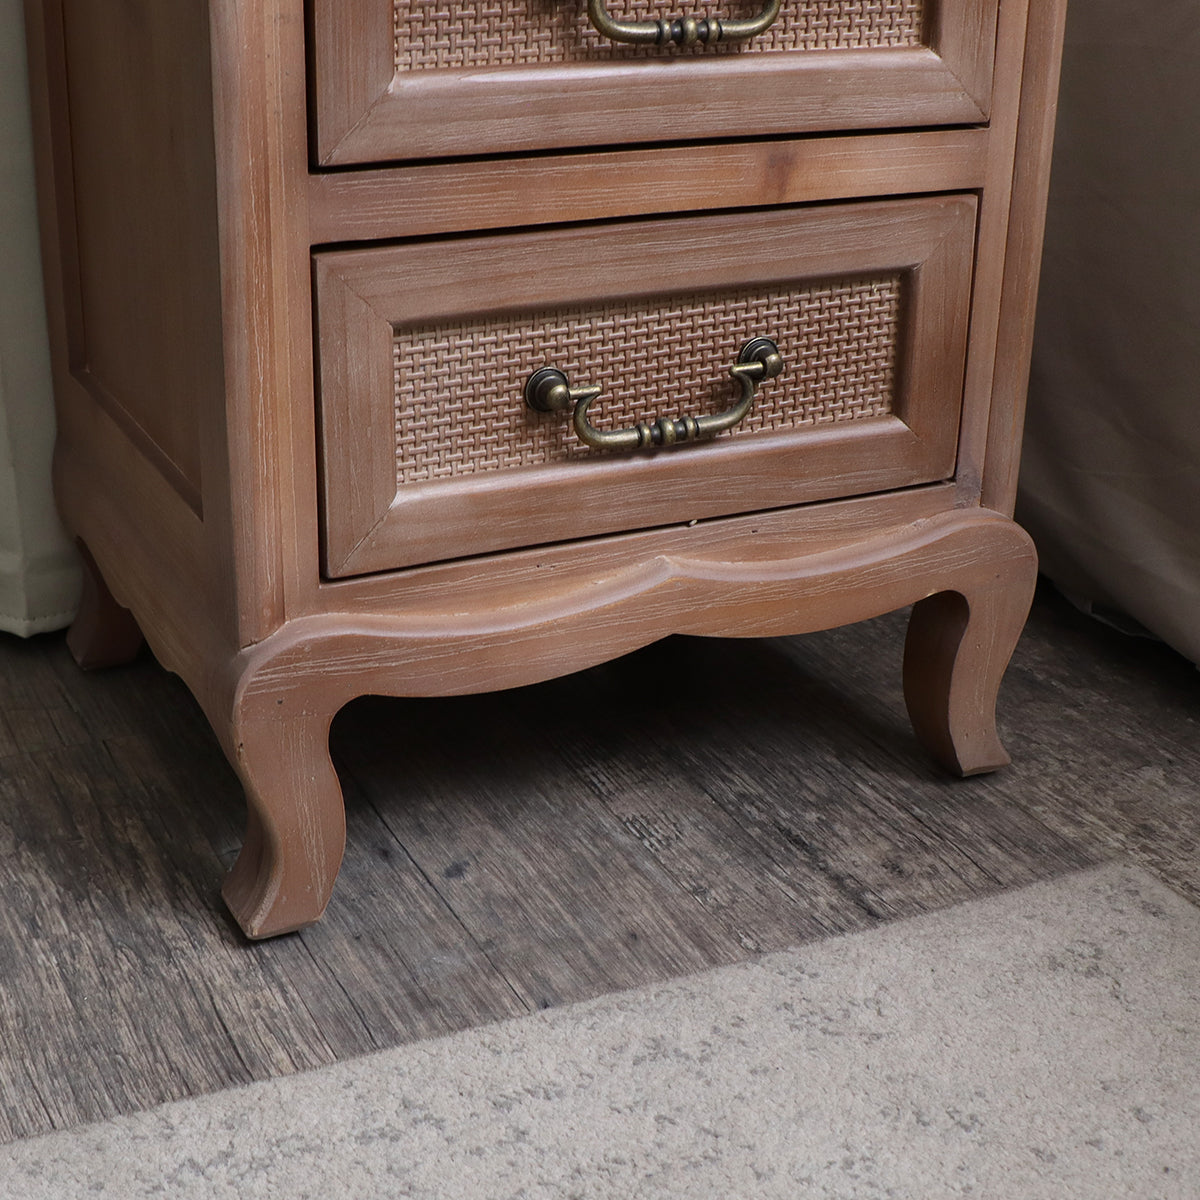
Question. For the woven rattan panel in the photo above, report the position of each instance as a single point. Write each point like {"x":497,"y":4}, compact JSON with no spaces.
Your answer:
{"x":459,"y":402}
{"x":509,"y":33}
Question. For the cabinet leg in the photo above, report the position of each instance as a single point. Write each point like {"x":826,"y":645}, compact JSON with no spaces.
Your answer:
{"x":958,"y":647}
{"x":296,"y":824}
{"x":103,"y":633}
{"x":970,"y":572}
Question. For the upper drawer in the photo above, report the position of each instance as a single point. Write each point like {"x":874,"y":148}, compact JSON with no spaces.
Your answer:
{"x":402,"y":79}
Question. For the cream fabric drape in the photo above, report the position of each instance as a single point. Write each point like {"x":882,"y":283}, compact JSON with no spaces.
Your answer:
{"x":39,"y":575}
{"x":1110,"y":479}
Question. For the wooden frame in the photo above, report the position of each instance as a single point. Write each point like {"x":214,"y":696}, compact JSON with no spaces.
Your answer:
{"x":363,"y":295}
{"x":382,"y":203}
{"x":365,"y":111}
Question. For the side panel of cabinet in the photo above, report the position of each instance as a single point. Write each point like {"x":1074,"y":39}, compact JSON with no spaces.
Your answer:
{"x":127,"y":180}
{"x":166,"y":221}
{"x":144,"y":291}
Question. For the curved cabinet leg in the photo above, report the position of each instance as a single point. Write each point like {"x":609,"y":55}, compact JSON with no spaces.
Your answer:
{"x":295,"y":825}
{"x":958,"y":646}
{"x":971,"y":574}
{"x":103,"y":633}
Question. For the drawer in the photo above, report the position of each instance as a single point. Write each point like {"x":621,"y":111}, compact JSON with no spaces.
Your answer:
{"x":402,"y":79}
{"x":430,"y":450}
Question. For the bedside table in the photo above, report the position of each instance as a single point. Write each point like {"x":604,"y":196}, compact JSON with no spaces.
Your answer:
{"x":416,"y":349}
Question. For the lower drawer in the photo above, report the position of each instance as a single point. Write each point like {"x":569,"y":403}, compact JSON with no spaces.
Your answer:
{"x":430,"y":451}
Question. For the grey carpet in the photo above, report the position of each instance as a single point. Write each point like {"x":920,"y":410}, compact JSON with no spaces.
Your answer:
{"x":1045,"y":1043}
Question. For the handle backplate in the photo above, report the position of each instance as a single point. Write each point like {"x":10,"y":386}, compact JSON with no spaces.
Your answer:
{"x":680,"y":31}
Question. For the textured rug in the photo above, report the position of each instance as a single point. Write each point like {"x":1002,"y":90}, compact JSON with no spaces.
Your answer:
{"x":1045,"y":1043}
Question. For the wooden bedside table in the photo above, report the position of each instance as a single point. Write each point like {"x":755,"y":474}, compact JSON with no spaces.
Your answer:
{"x":419,"y":350}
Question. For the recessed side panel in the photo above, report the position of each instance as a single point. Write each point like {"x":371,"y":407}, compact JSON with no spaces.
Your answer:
{"x":146,"y":333}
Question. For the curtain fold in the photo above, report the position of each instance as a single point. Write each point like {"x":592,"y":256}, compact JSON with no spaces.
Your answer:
{"x":1110,"y":479}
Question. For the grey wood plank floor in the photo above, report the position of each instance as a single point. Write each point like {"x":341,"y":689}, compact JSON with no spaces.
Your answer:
{"x":688,"y":806}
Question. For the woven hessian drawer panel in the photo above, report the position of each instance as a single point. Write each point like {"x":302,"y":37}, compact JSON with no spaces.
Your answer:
{"x":433,"y":34}
{"x":459,"y":405}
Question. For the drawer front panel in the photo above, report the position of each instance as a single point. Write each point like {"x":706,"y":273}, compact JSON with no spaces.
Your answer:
{"x":430,"y":451}
{"x":431,"y":34}
{"x":402,"y":79}
{"x":454,"y":384}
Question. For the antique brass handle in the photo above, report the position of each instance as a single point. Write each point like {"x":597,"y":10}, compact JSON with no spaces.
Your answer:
{"x":683,"y":31}
{"x":549,"y":390}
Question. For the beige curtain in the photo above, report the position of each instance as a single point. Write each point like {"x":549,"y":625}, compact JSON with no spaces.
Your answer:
{"x":1110,"y":482}
{"x":39,"y":577}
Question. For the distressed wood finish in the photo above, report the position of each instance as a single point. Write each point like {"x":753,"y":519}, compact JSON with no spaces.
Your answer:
{"x":1023,"y":253}
{"x":105,"y":466}
{"x":189,"y":458}
{"x":367,"y":111}
{"x":289,"y":686}
{"x":374,"y":524}
{"x":524,"y":575}
{"x":958,"y":646}
{"x":429,"y":198}
{"x":121,"y":298}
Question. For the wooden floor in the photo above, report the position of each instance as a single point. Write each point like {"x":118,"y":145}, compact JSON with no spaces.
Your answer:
{"x":694,"y":804}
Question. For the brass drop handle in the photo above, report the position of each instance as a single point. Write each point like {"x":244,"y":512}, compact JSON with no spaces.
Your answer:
{"x":549,"y":390}
{"x":683,"y":31}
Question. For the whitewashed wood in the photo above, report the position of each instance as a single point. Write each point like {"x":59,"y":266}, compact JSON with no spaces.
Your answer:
{"x":371,"y":524}
{"x":985,"y":367}
{"x":364,"y":113}
{"x":1031,"y":184}
{"x":287,"y":688}
{"x":426,"y":198}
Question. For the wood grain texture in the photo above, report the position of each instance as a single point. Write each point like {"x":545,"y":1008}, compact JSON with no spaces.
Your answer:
{"x":262,"y":433}
{"x":366,"y":114}
{"x":212,"y":110}
{"x":155,"y":569}
{"x":351,"y":63}
{"x":492,"y":193}
{"x":138,"y":96}
{"x":295,"y":825}
{"x":990,"y":278}
{"x":222,"y":570}
{"x":86,"y":428}
{"x":372,"y":524}
{"x":958,"y":647}
{"x":772,"y":794}
{"x":520,"y":577}
{"x":289,"y":686}
{"x":161,"y":378}
{"x":964,"y":36}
